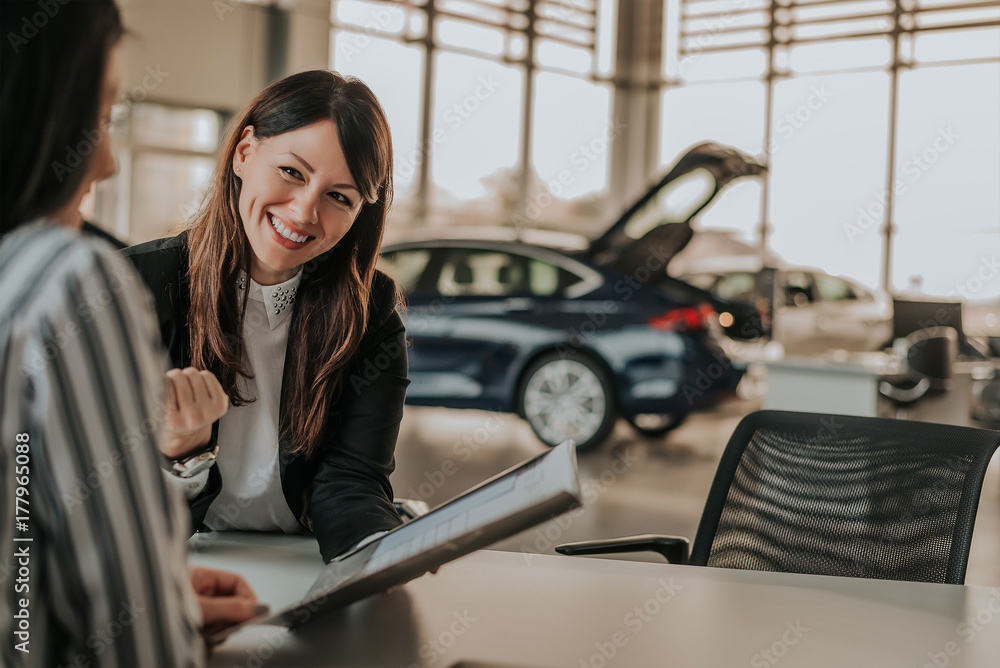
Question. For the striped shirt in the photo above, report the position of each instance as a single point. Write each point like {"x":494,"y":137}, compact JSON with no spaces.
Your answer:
{"x":92,"y":542}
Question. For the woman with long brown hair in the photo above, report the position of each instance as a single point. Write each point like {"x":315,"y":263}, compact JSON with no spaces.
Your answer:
{"x":273,"y":291}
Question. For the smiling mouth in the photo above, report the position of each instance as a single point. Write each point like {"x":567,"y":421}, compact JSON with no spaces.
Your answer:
{"x":286,"y":233}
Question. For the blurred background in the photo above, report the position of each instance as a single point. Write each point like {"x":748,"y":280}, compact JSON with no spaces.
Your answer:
{"x":875,"y":213}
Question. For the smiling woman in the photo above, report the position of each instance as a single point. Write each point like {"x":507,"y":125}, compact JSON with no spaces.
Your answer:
{"x":291,"y":210}
{"x":274,"y":292}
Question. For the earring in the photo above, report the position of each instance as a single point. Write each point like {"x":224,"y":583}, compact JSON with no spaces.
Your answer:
{"x":237,"y":170}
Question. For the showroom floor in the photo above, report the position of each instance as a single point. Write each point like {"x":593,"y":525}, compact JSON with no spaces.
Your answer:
{"x":638,"y":485}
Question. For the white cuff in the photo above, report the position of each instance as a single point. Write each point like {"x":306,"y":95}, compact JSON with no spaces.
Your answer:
{"x":364,"y":541}
{"x":191,"y":487}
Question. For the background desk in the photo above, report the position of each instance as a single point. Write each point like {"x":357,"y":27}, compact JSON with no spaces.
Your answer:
{"x":508,"y":609}
{"x":824,"y":385}
{"x":848,"y":385}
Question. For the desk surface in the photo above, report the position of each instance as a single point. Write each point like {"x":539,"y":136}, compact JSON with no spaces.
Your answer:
{"x":499,"y":609}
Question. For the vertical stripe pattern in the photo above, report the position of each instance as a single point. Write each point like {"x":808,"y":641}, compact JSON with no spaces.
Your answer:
{"x":81,"y":373}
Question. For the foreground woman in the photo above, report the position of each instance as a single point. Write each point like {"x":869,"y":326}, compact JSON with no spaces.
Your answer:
{"x":95,"y":539}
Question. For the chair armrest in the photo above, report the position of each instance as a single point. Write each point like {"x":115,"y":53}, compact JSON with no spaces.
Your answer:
{"x":901,"y":395}
{"x":673,"y":548}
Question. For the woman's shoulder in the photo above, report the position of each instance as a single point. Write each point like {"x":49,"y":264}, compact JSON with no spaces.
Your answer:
{"x":56,"y":273}
{"x":160,"y":259}
{"x":383,"y":300}
{"x":158,"y":249}
{"x":44,"y":253}
{"x":385,"y":295}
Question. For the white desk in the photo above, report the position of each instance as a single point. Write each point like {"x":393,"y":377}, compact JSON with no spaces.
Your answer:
{"x":844,"y":384}
{"x":848,"y":385}
{"x":502,"y":609}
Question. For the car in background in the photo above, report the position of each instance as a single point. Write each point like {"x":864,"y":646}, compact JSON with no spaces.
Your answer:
{"x":806,"y":310}
{"x":569,"y":333}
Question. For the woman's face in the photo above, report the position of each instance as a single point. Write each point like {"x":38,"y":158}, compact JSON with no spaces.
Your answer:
{"x":297,"y":200}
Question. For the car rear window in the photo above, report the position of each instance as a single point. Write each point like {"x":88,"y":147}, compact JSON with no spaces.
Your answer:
{"x":405,"y":266}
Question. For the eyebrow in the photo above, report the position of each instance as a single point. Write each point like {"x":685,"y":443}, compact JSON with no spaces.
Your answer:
{"x":302,"y":160}
{"x":310,"y":169}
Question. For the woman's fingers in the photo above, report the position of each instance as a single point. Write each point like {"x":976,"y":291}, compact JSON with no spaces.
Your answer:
{"x":216,"y":396}
{"x":181,"y":383}
{"x":171,"y":398}
{"x":194,"y":400}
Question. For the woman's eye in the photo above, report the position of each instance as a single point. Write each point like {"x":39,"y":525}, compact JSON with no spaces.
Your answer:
{"x":291,"y":171}
{"x":341,"y":198}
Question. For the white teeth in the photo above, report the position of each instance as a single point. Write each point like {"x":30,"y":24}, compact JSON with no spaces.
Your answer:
{"x":285,"y":232}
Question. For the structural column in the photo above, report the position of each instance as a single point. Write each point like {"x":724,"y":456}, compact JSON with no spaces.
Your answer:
{"x":638,"y":75}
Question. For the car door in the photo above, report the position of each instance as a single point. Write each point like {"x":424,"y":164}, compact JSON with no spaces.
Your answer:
{"x":794,"y":324}
{"x":847,"y":317}
{"x":823,"y":312}
{"x":469,"y":315}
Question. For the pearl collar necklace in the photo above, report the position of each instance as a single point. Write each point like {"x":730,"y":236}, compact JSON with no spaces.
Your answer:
{"x":278,"y":299}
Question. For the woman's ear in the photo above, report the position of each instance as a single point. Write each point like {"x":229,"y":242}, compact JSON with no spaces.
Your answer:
{"x":246,"y":145}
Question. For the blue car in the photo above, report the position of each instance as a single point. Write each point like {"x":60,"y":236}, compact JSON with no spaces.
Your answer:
{"x":570,"y":335}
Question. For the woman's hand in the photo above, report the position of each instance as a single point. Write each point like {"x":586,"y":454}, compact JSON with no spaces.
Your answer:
{"x":195,"y":400}
{"x":225,"y":599}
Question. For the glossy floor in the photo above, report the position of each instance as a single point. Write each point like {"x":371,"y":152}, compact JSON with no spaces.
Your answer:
{"x":637,"y":485}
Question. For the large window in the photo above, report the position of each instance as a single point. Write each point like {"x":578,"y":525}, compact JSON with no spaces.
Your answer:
{"x":166,"y":157}
{"x":877,"y":118}
{"x":498,"y":107}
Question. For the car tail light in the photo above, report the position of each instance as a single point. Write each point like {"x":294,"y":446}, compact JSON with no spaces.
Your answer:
{"x":685,"y":318}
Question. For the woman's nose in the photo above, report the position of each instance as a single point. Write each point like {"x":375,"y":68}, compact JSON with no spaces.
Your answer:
{"x":305,"y":206}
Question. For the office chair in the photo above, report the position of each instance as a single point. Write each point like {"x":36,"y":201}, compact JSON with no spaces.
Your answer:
{"x":835,"y":495}
{"x":929,"y":356}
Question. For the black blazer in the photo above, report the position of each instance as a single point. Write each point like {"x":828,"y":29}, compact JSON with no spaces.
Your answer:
{"x":343,"y":493}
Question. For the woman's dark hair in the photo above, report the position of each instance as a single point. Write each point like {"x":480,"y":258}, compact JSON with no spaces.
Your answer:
{"x":52,"y":77}
{"x":331,"y":307}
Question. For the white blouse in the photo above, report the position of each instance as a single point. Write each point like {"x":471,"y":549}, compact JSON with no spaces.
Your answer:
{"x":251,"y":498}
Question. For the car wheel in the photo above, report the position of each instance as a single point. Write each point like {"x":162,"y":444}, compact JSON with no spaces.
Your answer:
{"x":568,"y":396}
{"x":657,"y":424}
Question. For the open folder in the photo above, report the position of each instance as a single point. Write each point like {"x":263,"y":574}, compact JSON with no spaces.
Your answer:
{"x":508,"y":503}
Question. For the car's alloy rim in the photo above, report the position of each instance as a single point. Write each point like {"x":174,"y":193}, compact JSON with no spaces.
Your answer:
{"x":565,"y":399}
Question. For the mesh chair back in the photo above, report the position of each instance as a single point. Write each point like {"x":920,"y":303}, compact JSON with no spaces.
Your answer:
{"x":843,"y":495}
